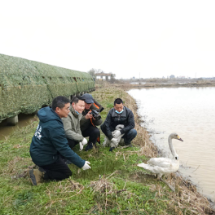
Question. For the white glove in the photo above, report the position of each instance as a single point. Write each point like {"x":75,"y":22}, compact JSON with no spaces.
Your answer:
{"x":116,"y":133}
{"x":114,"y":140}
{"x":86,"y":165}
{"x":82,"y":143}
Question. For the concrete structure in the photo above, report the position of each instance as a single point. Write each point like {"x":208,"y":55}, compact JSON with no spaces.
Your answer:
{"x":104,"y":76}
{"x":12,"y":120}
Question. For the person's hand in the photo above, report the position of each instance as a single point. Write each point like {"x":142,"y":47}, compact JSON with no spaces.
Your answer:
{"x":81,"y":146}
{"x":116,"y":133}
{"x":89,"y":115}
{"x":114,"y":140}
{"x":86,"y":165}
{"x":82,"y":143}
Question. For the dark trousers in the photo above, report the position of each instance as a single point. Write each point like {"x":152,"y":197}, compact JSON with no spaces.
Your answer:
{"x":128,"y":136}
{"x":57,"y":170}
{"x":72,"y":143}
{"x":92,"y":132}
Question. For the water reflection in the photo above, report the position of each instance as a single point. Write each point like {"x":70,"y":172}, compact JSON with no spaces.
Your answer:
{"x":190,"y":113}
{"x":7,"y":130}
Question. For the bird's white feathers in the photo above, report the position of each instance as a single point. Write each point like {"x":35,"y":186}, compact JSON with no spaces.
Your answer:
{"x":164,"y":165}
{"x":160,"y":165}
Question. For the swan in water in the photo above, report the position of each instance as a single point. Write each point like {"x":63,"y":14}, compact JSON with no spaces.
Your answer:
{"x":161,"y":166}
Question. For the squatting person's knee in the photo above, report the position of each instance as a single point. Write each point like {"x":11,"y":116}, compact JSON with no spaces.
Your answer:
{"x":97,"y":132}
{"x":134,"y":133}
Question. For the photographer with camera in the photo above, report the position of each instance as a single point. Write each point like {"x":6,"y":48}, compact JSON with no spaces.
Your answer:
{"x":90,"y":119}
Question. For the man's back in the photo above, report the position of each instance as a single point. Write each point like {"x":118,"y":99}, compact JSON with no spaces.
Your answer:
{"x":42,"y":150}
{"x":50,"y":140}
{"x":49,"y":147}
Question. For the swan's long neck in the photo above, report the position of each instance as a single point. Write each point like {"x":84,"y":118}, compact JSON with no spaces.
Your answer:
{"x":172,"y":148}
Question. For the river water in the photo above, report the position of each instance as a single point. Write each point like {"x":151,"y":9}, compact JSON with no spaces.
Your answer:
{"x":190,"y":112}
{"x":7,"y":130}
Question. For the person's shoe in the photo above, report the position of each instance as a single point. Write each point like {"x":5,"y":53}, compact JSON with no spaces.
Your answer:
{"x":89,"y":146}
{"x":111,"y":149}
{"x":36,"y":176}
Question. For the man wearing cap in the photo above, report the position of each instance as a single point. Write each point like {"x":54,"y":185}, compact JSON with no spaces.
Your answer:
{"x":119,"y":124}
{"x":90,"y":120}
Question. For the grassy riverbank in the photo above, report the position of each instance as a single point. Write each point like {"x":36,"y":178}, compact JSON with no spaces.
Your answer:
{"x":114,"y":185}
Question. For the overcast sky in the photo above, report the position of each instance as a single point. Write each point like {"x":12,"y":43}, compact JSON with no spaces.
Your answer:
{"x":129,"y":38}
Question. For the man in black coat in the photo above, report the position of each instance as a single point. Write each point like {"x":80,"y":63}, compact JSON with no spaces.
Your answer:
{"x":119,"y":115}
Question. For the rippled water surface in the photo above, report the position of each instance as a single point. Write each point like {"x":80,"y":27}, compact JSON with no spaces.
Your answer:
{"x":191,"y":113}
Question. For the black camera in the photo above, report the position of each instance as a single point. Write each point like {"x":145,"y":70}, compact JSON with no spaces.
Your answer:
{"x":96,"y":115}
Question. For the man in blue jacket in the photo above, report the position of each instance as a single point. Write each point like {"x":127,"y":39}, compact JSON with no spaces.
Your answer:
{"x":49,"y":145}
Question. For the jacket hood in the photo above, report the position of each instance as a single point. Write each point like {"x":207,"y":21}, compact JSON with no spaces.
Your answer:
{"x":46,"y":114}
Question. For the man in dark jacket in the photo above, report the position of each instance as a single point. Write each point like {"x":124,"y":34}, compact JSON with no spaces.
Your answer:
{"x":119,"y":115}
{"x":49,"y":145}
{"x":90,"y":120}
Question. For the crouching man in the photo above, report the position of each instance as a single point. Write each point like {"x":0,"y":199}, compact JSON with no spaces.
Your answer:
{"x":113,"y":128}
{"x":72,"y":123}
{"x":91,"y":118}
{"x":49,"y":145}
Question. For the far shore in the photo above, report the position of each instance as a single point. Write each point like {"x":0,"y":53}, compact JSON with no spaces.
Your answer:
{"x":157,"y":84}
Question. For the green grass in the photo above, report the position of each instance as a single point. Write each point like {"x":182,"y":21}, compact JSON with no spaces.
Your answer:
{"x":114,"y":184}
{"x":19,"y":197}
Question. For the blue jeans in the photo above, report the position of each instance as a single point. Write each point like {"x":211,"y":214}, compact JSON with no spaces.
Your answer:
{"x":129,"y":136}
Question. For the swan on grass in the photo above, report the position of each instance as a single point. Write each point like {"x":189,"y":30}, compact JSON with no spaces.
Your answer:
{"x":162,"y":165}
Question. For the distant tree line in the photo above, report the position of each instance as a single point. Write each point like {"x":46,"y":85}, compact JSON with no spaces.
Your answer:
{"x":93,"y":73}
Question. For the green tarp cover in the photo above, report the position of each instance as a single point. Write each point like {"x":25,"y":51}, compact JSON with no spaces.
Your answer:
{"x":26,"y":86}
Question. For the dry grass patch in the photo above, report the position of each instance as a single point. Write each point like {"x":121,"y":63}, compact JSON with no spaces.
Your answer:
{"x":63,"y":191}
{"x":15,"y":167}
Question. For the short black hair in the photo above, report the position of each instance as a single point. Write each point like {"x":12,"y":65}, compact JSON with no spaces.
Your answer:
{"x":118,"y":101}
{"x":76,"y":99}
{"x":60,"y":102}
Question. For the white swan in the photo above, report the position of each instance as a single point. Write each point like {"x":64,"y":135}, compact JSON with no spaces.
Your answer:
{"x":161,"y":166}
